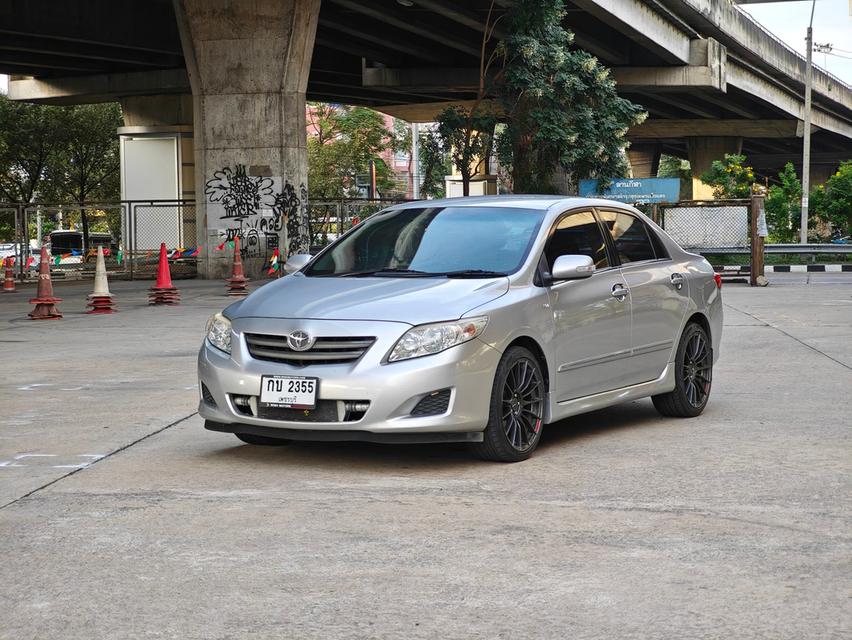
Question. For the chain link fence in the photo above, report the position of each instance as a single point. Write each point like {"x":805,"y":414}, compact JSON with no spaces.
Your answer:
{"x":147,"y":225}
{"x":706,"y":226}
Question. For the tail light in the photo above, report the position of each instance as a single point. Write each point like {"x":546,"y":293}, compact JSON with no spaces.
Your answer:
{"x":718,"y":278}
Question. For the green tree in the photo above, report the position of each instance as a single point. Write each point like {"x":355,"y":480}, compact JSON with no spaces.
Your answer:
{"x":730,"y":178}
{"x":674,"y":167}
{"x":433,"y":165}
{"x":561,"y":107}
{"x":783,"y":206}
{"x":30,"y":136}
{"x":466,"y":135}
{"x":833,"y":201}
{"x":342,"y":141}
{"x":85,"y":166}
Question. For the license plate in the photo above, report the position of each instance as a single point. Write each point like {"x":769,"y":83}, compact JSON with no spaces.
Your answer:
{"x":288,"y":392}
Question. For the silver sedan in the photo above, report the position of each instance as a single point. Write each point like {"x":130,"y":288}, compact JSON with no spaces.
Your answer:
{"x":476,"y":320}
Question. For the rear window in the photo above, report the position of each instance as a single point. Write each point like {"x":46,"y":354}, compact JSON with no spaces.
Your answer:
{"x":630,"y":235}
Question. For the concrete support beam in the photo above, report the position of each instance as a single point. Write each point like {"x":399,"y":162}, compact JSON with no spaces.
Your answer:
{"x":769,"y":90}
{"x":642,"y":24}
{"x":702,"y":152}
{"x":104,"y":87}
{"x":644,"y":160}
{"x":668,"y":129}
{"x":428,"y":111}
{"x":157,"y":111}
{"x":707,"y":69}
{"x":743,"y":36}
{"x":248,"y":64}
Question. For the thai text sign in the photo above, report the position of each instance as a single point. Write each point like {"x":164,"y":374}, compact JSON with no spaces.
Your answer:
{"x":634,"y":190}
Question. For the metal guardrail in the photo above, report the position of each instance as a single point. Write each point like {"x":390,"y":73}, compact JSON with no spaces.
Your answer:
{"x":778,"y":249}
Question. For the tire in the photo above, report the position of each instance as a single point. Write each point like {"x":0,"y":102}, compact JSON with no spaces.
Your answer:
{"x":516,"y":409}
{"x":693,"y":376}
{"x":249,"y":438}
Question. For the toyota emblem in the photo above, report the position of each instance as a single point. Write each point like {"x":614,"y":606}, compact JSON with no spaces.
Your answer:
{"x":300,"y":341}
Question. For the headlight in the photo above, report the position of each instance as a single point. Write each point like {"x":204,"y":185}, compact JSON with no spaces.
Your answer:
{"x":434,"y":338}
{"x":219,"y":332}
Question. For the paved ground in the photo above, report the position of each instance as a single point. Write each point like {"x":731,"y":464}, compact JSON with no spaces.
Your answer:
{"x":120,"y":517}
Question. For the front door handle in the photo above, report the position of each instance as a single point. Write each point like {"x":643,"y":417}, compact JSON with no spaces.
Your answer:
{"x":677,"y":280}
{"x":619,"y":291}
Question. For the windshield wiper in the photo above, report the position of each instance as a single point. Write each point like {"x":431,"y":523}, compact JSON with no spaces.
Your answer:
{"x":389,"y":271}
{"x":474,"y":273}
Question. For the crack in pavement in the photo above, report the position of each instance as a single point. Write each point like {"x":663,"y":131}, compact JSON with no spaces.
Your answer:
{"x":89,"y":466}
{"x":792,"y":337}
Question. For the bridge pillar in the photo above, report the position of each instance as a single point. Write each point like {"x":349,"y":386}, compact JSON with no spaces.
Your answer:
{"x":248,"y":64}
{"x":644,"y":160}
{"x":702,"y":152}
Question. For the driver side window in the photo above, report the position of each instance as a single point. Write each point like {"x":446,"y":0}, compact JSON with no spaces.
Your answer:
{"x":577,"y":234}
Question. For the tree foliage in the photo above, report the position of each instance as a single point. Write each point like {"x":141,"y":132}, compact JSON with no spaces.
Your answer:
{"x":730,"y":177}
{"x":342,"y":141}
{"x":833,"y":200}
{"x":466,"y":135}
{"x":61,"y":154}
{"x":783,"y":206}
{"x":434,"y":166}
{"x":562,"y":110}
{"x":29,"y":142}
{"x":674,"y":167}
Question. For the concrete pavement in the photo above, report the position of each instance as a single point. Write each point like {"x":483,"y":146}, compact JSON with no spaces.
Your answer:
{"x":624,"y":524}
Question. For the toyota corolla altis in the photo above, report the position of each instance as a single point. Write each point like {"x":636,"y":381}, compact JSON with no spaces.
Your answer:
{"x":472,"y":320}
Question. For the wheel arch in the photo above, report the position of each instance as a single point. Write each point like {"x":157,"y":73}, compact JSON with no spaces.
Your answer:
{"x":701,"y":320}
{"x":532,"y":345}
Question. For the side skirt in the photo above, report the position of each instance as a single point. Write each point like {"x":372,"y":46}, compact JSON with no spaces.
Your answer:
{"x":567,"y":408}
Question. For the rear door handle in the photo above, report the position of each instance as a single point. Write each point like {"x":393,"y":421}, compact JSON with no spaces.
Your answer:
{"x":619,"y":291}
{"x":677,"y":280}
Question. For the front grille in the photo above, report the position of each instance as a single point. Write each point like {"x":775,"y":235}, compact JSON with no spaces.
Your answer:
{"x":434,"y":404}
{"x":325,"y":410}
{"x":207,"y":396}
{"x":324,"y":350}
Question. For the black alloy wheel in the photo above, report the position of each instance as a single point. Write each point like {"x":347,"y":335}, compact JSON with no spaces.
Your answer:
{"x":517,"y":408}
{"x":697,"y":370}
{"x":693,"y":375}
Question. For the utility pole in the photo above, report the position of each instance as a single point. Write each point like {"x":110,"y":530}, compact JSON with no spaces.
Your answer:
{"x":415,"y":161}
{"x":806,"y":154}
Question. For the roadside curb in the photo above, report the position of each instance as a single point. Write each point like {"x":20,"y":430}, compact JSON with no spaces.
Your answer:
{"x":788,"y":268}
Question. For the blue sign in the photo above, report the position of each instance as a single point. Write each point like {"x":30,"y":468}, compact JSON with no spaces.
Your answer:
{"x":634,"y":190}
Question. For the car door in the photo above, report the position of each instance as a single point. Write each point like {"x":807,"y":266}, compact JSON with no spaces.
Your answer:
{"x":658,"y":292}
{"x":591,"y":316}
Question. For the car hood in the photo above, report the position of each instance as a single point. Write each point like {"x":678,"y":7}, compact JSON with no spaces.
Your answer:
{"x":411,"y":300}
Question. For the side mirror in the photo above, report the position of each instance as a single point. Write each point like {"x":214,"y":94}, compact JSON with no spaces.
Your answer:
{"x":572,"y":268}
{"x":296,"y":262}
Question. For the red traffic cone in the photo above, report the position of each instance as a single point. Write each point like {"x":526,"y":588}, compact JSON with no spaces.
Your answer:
{"x":45,"y":301}
{"x":100,"y":300}
{"x":163,"y":292}
{"x":237,"y":281}
{"x":9,"y":278}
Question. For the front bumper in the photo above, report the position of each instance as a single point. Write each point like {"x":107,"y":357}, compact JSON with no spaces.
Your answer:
{"x":391,"y":389}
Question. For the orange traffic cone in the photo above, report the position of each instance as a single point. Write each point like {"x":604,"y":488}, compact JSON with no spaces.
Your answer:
{"x":163,"y":292}
{"x":237,"y":281}
{"x":9,"y":278}
{"x":100,"y":300}
{"x":44,"y":301}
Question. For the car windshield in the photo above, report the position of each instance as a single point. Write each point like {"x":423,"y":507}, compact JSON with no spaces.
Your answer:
{"x":434,"y":241}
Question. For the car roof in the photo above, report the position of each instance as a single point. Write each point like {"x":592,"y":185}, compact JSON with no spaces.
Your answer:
{"x":542,"y":202}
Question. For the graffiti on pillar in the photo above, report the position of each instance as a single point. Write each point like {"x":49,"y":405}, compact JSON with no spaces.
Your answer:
{"x":256,"y":209}
{"x":240,"y":194}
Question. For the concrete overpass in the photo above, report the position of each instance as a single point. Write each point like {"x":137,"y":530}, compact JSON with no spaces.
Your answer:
{"x":712,"y":79}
